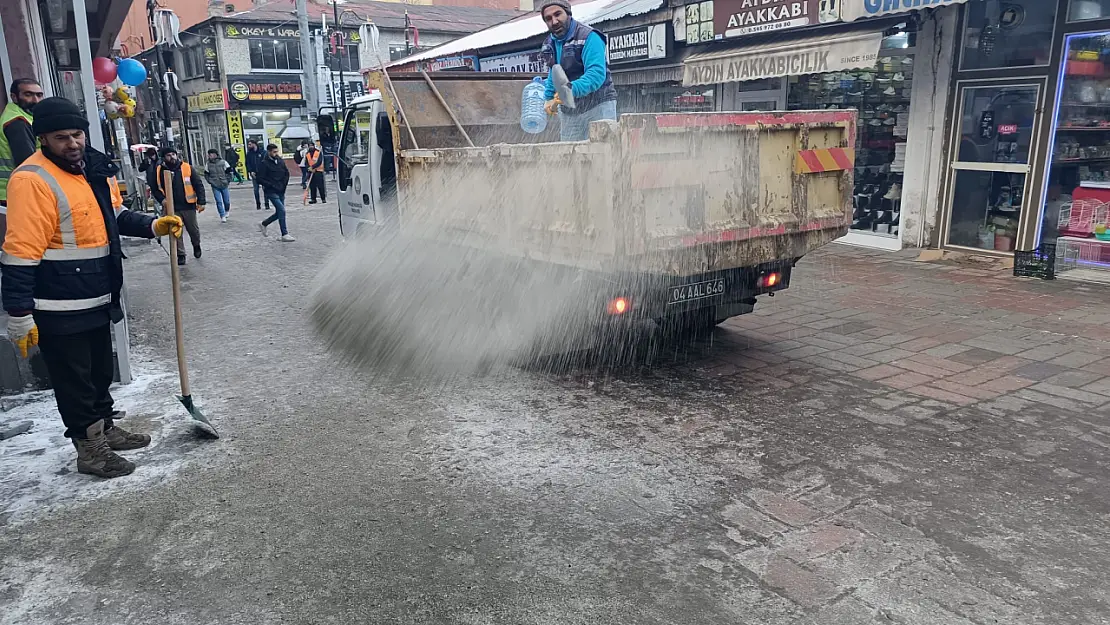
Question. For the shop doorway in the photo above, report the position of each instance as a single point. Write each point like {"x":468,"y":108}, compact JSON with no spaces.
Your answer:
{"x":989,"y":181}
{"x":768,"y":94}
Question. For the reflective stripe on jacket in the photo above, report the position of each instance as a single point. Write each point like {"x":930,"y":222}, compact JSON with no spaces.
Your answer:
{"x":11,"y":113}
{"x":56,"y":226}
{"x":186,"y":179}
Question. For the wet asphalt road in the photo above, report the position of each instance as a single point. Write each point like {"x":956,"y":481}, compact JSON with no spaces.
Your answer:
{"x":693,"y":490}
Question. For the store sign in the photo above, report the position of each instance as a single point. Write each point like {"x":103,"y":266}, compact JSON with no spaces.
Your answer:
{"x":261,"y":88}
{"x":986,"y":125}
{"x":207,"y":101}
{"x":738,"y":18}
{"x":812,"y":56}
{"x":454,"y":63}
{"x":247,"y":31}
{"x":211,"y":60}
{"x":851,"y":10}
{"x":646,"y":43}
{"x":235,"y":137}
{"x":1008,"y":129}
{"x":523,"y":62}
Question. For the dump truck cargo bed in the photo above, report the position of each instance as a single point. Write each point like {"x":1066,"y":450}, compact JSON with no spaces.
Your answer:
{"x":668,"y":194}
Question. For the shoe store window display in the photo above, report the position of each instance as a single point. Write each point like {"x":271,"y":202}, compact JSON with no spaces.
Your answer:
{"x":882,"y":97}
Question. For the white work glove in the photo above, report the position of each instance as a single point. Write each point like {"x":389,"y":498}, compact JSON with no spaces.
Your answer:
{"x":23,"y":332}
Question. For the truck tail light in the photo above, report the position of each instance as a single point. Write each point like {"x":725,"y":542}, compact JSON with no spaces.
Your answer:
{"x":618,"y":306}
{"x":769,"y":280}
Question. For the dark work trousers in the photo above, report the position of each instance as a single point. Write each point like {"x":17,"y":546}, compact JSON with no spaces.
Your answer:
{"x":80,"y":367}
{"x":192,"y":227}
{"x":316,"y":184}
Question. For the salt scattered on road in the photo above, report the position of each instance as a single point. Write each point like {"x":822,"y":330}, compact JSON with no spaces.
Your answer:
{"x":38,"y":469}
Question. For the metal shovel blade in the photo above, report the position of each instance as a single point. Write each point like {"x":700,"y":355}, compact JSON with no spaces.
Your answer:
{"x":562,"y":86}
{"x":203,"y":424}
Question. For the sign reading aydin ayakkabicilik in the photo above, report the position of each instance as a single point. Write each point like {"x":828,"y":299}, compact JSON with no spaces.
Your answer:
{"x":643,"y":43}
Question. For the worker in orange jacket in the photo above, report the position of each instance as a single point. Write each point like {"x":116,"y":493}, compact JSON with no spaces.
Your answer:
{"x":188,"y":196}
{"x":62,"y":275}
{"x":314,"y":159}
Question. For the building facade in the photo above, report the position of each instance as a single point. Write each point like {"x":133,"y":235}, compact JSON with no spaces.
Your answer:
{"x":241,"y":76}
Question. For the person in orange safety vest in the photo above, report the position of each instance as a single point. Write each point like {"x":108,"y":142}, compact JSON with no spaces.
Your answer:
{"x":188,"y":197}
{"x":314,"y":159}
{"x":62,"y":275}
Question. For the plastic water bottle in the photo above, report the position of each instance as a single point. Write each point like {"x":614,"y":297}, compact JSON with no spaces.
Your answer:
{"x":533,"y":119}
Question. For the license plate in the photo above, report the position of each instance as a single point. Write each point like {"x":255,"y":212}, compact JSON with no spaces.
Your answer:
{"x":697,"y":290}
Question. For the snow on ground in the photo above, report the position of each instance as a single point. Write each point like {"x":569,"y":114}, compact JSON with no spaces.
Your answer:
{"x":39,"y":468}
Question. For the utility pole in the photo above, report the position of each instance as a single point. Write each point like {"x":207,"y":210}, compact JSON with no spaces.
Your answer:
{"x":308,"y":59}
{"x":340,"y":47}
{"x":159,"y":61}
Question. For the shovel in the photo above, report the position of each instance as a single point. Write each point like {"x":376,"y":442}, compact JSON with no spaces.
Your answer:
{"x":562,"y":86}
{"x":186,"y":397}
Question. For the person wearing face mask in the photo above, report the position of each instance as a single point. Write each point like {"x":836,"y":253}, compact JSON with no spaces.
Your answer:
{"x":580,"y":51}
{"x":188,"y":197}
{"x":62,"y":268}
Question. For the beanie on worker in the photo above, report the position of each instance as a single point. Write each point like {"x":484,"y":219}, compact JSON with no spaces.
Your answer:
{"x":164,"y":151}
{"x":555,"y":3}
{"x":54,"y":114}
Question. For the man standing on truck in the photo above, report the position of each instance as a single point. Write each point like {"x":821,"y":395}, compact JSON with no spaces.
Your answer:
{"x":580,"y":50}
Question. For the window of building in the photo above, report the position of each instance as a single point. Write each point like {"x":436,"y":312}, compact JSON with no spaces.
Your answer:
{"x":345,"y":57}
{"x":275,"y":54}
{"x":192,"y":62}
{"x":1008,"y":33}
{"x":1086,"y":10}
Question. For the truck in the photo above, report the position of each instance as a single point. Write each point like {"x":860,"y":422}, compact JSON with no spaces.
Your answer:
{"x":683,"y":219}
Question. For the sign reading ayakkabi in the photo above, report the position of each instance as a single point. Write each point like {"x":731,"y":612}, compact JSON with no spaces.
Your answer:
{"x":855,"y":9}
{"x":809,"y":56}
{"x":645,"y":43}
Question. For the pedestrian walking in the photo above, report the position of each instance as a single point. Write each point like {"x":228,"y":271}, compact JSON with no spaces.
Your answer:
{"x":62,"y":273}
{"x":274,"y":176}
{"x":188,"y":197}
{"x":300,"y":160}
{"x":314,"y":159}
{"x":217,"y":173}
{"x":231,"y":155}
{"x":254,"y":159}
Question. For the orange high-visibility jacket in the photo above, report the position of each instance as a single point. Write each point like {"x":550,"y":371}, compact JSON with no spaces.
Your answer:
{"x":187,"y":179}
{"x":317,"y":163}
{"x":61,"y":255}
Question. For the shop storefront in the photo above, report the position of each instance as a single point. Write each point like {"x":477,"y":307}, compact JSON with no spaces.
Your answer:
{"x":799,"y":57}
{"x":270,"y":106}
{"x":1029,"y":159}
{"x":207,"y":124}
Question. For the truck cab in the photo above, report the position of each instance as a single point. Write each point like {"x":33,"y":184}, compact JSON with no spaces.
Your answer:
{"x":367,"y":168}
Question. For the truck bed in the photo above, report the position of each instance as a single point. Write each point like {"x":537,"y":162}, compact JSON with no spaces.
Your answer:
{"x":669,"y":194}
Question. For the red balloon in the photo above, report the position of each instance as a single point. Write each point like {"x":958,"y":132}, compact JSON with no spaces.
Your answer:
{"x":104,"y":70}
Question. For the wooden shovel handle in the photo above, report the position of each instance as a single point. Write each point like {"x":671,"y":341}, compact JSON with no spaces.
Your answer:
{"x":175,"y":280}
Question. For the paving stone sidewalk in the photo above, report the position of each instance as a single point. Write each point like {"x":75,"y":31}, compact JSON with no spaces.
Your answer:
{"x":976,"y":495}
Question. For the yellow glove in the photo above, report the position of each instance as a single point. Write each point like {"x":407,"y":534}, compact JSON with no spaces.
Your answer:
{"x":170,"y":224}
{"x":552,"y":105}
{"x":23,"y":332}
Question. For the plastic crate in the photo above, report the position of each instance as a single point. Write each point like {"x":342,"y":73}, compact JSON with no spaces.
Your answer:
{"x":1040,"y":263}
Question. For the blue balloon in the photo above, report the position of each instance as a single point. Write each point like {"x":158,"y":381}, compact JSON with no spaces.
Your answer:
{"x":131,"y":72}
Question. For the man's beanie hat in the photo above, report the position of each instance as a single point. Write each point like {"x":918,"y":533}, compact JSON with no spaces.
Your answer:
{"x":54,"y":114}
{"x":555,"y":3}
{"x":164,"y":151}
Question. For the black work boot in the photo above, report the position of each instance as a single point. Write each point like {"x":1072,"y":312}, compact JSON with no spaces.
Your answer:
{"x":94,"y":457}
{"x":196,"y":251}
{"x":120,"y":439}
{"x":180,"y":260}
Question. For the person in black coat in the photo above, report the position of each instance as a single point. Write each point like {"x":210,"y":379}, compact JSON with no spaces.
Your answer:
{"x":273,"y":175}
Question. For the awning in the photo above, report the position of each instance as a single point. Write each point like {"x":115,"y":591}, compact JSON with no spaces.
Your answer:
{"x":855,"y":9}
{"x":792,"y":58}
{"x":295,"y":132}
